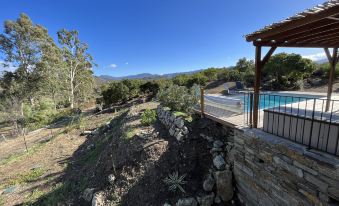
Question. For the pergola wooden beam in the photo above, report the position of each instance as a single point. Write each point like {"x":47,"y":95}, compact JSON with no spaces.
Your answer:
{"x":331,"y":11}
{"x":294,"y":45}
{"x":309,"y":28}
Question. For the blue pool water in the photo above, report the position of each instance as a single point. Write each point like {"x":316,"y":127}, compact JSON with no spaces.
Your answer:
{"x":269,"y":101}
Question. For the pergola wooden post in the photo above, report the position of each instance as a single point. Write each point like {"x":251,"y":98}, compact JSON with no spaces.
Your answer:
{"x":333,"y":60}
{"x":259,"y":64}
{"x":317,"y":27}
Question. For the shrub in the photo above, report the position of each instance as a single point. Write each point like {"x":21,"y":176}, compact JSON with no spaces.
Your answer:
{"x":179,"y":98}
{"x":148,"y":117}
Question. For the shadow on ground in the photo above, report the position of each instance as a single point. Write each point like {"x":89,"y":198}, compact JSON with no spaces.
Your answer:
{"x":139,"y":164}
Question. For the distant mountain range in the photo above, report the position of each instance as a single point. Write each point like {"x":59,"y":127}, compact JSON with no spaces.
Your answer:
{"x":321,"y":61}
{"x":144,"y":76}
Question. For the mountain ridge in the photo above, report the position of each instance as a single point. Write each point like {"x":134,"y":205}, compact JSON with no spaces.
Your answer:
{"x":145,"y":76}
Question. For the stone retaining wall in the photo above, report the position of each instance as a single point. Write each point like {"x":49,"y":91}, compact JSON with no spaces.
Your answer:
{"x":176,"y":125}
{"x":270,"y":170}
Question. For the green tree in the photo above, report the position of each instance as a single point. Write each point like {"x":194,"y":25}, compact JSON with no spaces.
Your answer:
{"x":284,"y":71}
{"x":54,"y":73}
{"x":210,"y":73}
{"x":78,"y":64}
{"x":133,"y":86}
{"x":115,"y":92}
{"x":21,"y":44}
{"x":181,"y":79}
{"x":244,"y":65}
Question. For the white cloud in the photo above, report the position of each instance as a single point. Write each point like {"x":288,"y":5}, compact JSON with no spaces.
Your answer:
{"x":316,"y":56}
{"x":113,"y":66}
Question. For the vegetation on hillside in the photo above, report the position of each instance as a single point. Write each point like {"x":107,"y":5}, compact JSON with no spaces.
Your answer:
{"x":43,"y":78}
{"x":48,"y":79}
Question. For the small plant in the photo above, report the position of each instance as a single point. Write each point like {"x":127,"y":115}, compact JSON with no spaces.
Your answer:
{"x":174,"y":181}
{"x":148,"y":117}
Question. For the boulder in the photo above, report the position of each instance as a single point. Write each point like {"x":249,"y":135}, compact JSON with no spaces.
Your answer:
{"x":218,"y":144}
{"x":208,"y":184}
{"x":167,"y":204}
{"x":224,"y":185}
{"x":189,"y":201}
{"x":88,"y":194}
{"x":206,"y":200}
{"x":219,"y":162}
{"x":98,"y":199}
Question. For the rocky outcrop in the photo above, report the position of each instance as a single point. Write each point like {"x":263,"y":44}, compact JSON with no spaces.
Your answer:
{"x":175,"y":125}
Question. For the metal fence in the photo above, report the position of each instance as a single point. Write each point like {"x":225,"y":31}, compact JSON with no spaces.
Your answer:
{"x":299,"y":119}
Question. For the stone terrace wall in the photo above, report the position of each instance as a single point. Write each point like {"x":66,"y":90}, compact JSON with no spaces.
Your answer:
{"x":269,"y":170}
{"x":176,"y":125}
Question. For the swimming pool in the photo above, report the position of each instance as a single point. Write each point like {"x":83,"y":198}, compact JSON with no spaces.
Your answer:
{"x":267,"y":101}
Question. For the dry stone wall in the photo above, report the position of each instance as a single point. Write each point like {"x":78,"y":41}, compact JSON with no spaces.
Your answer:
{"x":270,"y":170}
{"x":175,"y":125}
{"x":262,"y":169}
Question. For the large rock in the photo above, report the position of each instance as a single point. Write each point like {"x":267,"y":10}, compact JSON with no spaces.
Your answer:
{"x":98,"y":199}
{"x":219,"y":162}
{"x":88,"y":194}
{"x":190,"y":201}
{"x":208,"y":184}
{"x":206,"y":200}
{"x":224,"y":185}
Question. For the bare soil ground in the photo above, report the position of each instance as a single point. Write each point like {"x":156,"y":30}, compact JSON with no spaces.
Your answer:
{"x":58,"y":170}
{"x":25,"y":176}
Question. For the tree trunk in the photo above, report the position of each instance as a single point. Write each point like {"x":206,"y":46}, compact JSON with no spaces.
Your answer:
{"x":22,"y":109}
{"x":54,"y":101}
{"x":31,"y":100}
{"x":72,"y":95}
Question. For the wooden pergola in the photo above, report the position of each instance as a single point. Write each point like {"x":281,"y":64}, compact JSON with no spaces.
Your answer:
{"x":317,"y":27}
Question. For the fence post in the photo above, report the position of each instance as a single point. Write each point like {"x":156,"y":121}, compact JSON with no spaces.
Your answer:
{"x":202,"y":102}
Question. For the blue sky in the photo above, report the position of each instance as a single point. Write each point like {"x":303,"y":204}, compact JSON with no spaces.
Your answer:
{"x":161,"y":36}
